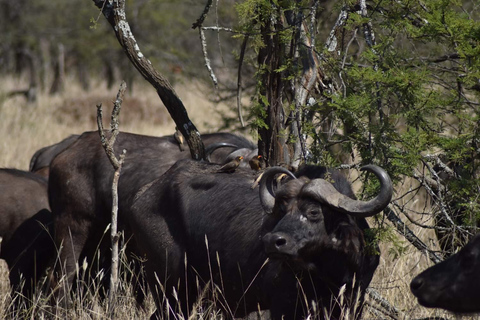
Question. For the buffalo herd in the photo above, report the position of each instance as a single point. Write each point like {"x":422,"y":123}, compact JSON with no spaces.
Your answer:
{"x":290,"y":244}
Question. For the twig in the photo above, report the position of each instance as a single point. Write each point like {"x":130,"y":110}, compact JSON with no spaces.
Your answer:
{"x":379,"y":312}
{"x":200,"y":20}
{"x":387,"y":309}
{"x":205,"y":56}
{"x":409,"y":235}
{"x":203,"y":41}
{"x":117,"y":165}
{"x":217,"y":28}
{"x":441,"y":164}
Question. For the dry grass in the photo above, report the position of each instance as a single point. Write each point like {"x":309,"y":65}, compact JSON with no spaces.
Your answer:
{"x":27,"y":127}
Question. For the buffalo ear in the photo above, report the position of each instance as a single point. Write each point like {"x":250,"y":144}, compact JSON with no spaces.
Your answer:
{"x":267,"y":193}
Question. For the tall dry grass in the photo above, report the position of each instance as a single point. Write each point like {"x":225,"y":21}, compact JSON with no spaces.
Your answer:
{"x":25,"y":128}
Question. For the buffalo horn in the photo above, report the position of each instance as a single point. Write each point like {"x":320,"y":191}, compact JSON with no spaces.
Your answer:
{"x":323,"y":191}
{"x":267,"y":194}
{"x":214,"y":146}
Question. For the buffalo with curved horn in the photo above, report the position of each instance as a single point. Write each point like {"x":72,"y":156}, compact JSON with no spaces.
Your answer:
{"x":289,"y":250}
{"x":80,"y":190}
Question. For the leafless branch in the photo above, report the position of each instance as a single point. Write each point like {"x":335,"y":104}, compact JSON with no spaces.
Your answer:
{"x":441,"y":164}
{"x":203,"y":41}
{"x":217,"y":28}
{"x":409,"y":235}
{"x":402,"y":210}
{"x":439,"y":199}
{"x":117,"y":165}
{"x":200,"y":20}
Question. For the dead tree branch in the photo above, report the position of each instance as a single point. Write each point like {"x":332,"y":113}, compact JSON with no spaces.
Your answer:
{"x":200,"y":20}
{"x":203,"y":40}
{"x":114,"y":12}
{"x":117,"y":165}
{"x":409,"y":235}
{"x":386,"y":307}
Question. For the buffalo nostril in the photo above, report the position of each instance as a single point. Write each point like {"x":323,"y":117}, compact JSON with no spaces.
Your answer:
{"x":280,"y":242}
{"x":416,"y":284}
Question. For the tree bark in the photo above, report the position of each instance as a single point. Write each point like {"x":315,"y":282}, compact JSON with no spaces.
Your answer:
{"x":272,"y":141}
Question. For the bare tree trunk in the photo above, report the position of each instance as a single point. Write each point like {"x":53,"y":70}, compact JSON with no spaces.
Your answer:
{"x":46,"y":61}
{"x":114,"y":12}
{"x":59,"y":75}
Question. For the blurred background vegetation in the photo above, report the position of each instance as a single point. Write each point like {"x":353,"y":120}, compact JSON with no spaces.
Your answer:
{"x":36,"y":34}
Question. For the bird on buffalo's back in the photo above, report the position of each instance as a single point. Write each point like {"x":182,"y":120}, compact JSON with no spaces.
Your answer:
{"x":179,"y":138}
{"x":257,"y":163}
{"x":231,"y":166}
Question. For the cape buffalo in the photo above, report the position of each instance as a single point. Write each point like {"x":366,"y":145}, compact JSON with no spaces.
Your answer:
{"x":25,"y":225}
{"x":289,"y":251}
{"x":80,"y":184}
{"x":452,"y":284}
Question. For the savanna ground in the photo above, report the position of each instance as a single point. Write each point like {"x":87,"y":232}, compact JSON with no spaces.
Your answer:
{"x":25,"y":128}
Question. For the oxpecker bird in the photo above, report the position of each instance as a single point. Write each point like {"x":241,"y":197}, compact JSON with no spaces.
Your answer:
{"x":257,"y":163}
{"x":230,"y":167}
{"x":179,"y":137}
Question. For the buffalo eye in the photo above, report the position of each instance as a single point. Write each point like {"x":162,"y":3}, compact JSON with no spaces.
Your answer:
{"x":314,"y":213}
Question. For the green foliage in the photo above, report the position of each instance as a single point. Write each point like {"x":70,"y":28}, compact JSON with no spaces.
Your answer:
{"x":384,"y":234}
{"x":414,"y":93}
{"x":410,"y":93}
